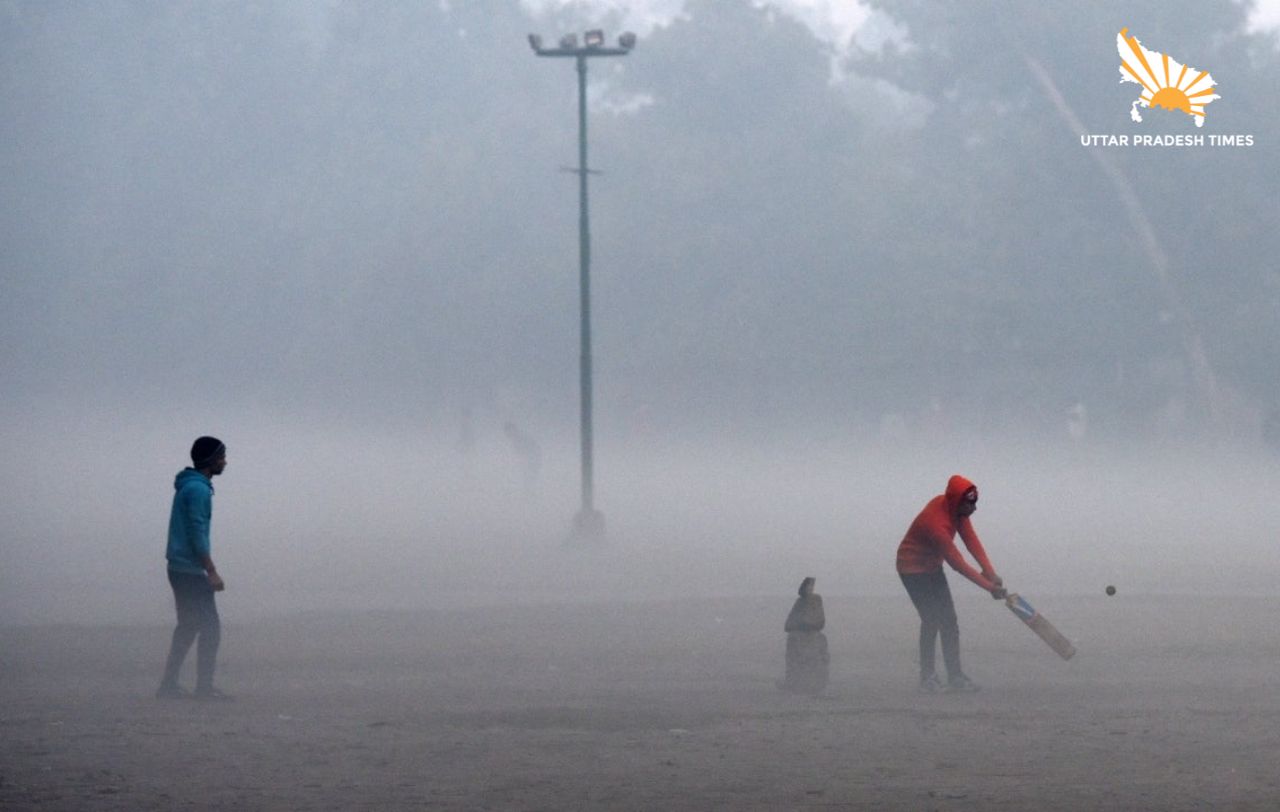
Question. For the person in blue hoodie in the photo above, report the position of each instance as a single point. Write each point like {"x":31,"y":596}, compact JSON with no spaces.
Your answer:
{"x":192,"y":574}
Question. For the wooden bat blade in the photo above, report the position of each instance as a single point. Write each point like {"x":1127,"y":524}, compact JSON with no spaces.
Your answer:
{"x":1041,"y":626}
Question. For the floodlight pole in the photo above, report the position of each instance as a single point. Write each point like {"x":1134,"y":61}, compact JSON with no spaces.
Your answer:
{"x":588,"y":525}
{"x":588,"y":513}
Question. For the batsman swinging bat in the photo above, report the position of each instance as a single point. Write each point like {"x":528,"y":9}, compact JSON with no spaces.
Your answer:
{"x":1027,"y":613}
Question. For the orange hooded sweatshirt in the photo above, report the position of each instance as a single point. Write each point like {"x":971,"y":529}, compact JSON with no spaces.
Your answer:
{"x":931,"y":538}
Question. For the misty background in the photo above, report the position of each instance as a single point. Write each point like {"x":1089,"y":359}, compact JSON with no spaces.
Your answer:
{"x":828,"y":271}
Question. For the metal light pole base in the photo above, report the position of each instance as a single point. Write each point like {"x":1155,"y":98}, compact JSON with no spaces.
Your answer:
{"x":588,"y":529}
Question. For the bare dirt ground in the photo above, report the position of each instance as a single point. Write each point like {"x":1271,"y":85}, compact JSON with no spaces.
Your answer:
{"x":1172,"y":703}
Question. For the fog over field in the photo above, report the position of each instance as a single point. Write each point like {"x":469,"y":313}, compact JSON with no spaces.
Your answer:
{"x":310,"y":518}
{"x":839,"y":253}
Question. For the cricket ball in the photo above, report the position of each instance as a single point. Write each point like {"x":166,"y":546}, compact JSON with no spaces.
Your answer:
{"x":1111,"y":590}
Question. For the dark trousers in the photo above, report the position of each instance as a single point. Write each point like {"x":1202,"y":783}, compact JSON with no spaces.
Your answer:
{"x":197,"y":621}
{"x":932,"y":598}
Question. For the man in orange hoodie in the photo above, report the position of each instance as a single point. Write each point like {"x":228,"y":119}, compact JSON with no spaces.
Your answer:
{"x":929,"y":541}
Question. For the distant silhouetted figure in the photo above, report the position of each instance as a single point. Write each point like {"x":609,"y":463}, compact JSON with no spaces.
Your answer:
{"x":808,"y":663}
{"x":1077,"y":421}
{"x":529,"y":452}
{"x":466,"y":432}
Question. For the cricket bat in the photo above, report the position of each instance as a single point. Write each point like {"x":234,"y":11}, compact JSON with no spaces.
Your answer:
{"x":1041,"y":626}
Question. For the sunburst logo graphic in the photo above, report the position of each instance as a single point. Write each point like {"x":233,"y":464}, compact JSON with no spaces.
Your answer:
{"x":1165,"y":81}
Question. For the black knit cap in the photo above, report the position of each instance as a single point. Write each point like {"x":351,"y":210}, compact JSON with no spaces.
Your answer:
{"x":205,"y":450}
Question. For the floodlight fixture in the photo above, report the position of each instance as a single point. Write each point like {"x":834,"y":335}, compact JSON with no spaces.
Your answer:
{"x":627,"y":41}
{"x":535,"y":42}
{"x":593,"y":38}
{"x":569,"y":42}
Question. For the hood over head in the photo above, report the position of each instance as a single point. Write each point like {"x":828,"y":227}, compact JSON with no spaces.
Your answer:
{"x":957,"y":486}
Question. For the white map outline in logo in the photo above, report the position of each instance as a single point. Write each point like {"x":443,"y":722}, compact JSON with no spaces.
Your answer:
{"x":1165,"y":81}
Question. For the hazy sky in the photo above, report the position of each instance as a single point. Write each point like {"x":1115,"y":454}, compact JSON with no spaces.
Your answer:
{"x":342,"y":240}
{"x":833,"y":21}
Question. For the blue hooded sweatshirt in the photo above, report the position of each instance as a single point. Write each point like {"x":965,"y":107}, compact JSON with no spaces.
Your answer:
{"x":189,"y":522}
